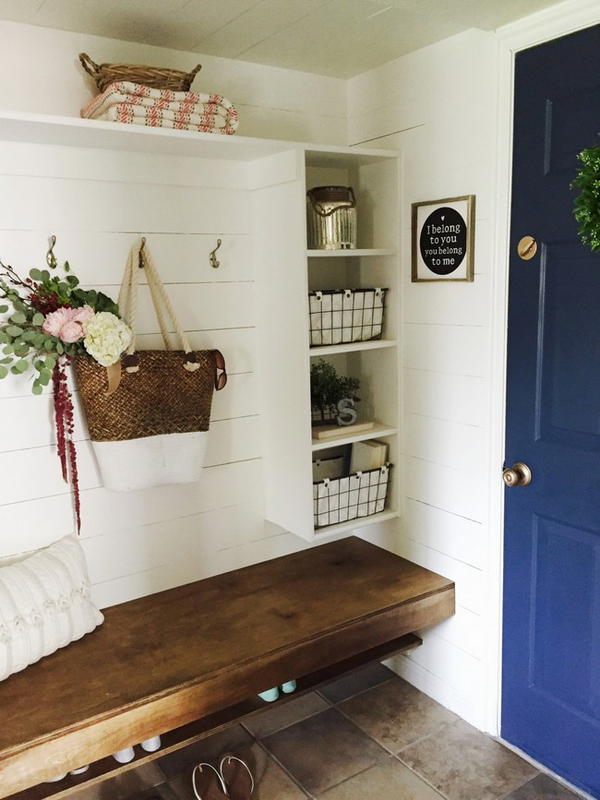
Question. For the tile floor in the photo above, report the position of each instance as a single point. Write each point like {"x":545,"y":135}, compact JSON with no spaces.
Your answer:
{"x":368,"y":735}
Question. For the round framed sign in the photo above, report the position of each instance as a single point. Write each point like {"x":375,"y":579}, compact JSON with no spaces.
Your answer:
{"x":442,"y":239}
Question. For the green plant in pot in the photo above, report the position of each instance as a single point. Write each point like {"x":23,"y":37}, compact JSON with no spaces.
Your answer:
{"x":327,"y":390}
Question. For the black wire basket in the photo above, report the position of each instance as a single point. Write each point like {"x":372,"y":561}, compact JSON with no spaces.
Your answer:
{"x":340,"y":316}
{"x":361,"y":494}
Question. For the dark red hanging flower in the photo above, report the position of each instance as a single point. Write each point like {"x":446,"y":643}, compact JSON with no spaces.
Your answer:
{"x":42,"y":318}
{"x":65,"y":428}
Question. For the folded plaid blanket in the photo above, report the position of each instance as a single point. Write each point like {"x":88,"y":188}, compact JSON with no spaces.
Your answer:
{"x":156,"y":118}
{"x":202,"y":115}
{"x":161,"y":101}
{"x":138,"y":94}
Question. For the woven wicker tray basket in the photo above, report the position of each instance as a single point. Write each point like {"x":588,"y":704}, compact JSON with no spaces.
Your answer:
{"x":157,"y":77}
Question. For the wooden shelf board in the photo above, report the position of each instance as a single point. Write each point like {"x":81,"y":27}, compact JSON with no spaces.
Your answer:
{"x":354,"y":524}
{"x":52,"y":129}
{"x":331,"y":156}
{"x":357,"y":253}
{"x":202,"y":728}
{"x":47,"y":728}
{"x":372,"y":433}
{"x":331,"y":349}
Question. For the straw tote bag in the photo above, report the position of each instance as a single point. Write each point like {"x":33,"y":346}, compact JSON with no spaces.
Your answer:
{"x":148,"y":421}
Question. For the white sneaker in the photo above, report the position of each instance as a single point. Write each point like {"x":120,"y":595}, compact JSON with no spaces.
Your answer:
{"x":124,"y":756}
{"x":151,"y":745}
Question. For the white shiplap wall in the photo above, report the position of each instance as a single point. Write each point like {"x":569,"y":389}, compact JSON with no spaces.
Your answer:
{"x":438,"y":106}
{"x":98,"y":203}
{"x":40,"y":73}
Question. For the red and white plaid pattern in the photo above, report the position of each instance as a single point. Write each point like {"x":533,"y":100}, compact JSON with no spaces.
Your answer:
{"x":160,"y":118}
{"x":136,"y":104}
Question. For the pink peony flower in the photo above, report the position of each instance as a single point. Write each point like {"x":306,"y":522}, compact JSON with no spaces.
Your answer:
{"x":55,"y":321}
{"x":67,"y":323}
{"x":82,"y":314}
{"x":71,"y":332}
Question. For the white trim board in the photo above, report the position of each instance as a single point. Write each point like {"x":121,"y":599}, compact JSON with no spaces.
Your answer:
{"x":538,"y":28}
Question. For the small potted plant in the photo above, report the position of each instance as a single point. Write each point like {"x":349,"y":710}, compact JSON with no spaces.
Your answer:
{"x":328,"y":390}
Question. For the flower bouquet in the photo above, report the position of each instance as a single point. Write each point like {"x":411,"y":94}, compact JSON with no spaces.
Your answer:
{"x":47,"y":319}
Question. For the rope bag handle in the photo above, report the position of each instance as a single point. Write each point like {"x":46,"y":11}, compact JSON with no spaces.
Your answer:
{"x":140,"y":258}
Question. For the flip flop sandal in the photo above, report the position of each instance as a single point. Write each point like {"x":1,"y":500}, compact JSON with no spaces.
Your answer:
{"x":237,"y":777}
{"x":207,"y":783}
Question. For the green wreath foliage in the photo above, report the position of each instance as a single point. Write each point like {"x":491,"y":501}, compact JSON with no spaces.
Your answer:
{"x":587,"y":203}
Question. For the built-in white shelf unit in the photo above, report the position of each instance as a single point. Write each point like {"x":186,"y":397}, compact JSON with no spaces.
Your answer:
{"x":290,"y":272}
{"x":272,"y":178}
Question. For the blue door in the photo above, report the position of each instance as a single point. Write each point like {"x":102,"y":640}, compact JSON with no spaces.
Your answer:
{"x":551,"y":669}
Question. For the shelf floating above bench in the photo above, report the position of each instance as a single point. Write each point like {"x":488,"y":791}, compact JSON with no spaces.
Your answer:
{"x":53,"y":129}
{"x":185,"y":657}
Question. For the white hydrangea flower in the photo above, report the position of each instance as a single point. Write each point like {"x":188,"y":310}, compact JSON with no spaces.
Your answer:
{"x":106,"y":337}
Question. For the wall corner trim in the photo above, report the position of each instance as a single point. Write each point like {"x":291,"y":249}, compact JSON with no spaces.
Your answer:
{"x":550,"y":23}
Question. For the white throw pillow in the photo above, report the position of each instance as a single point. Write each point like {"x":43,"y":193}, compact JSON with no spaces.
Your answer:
{"x":44,"y":604}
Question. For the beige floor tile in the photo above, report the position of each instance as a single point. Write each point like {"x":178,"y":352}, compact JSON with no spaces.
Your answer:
{"x":270,"y":781}
{"x":162,"y":792}
{"x":211,"y":749}
{"x":388,"y":781}
{"x":128,"y":784}
{"x":396,"y":714}
{"x":281,"y":716}
{"x":323,"y":750}
{"x":464,"y":764}
{"x":542,"y":787}
{"x":182,"y":785}
{"x":358,"y":681}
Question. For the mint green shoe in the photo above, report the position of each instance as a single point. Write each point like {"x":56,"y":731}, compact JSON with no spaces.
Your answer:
{"x":270,"y":695}
{"x":288,"y":687}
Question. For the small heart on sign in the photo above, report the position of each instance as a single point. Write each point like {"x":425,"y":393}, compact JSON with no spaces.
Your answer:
{"x":443,"y":218}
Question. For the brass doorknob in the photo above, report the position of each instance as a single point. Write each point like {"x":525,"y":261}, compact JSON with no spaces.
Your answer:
{"x":517,"y":475}
{"x":527,"y":247}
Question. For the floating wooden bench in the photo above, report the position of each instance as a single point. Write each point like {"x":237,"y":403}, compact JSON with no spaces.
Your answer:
{"x":191,"y":660}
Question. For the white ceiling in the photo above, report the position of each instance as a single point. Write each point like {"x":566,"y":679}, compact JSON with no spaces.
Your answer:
{"x":340,"y":38}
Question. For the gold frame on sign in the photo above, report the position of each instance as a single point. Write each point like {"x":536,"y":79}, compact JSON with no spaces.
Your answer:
{"x":469,"y":199}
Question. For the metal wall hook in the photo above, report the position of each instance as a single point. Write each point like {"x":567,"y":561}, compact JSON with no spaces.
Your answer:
{"x":213,"y":257}
{"x":141,"y":253}
{"x":50,"y":257}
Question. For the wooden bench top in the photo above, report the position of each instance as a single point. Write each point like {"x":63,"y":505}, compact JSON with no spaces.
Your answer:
{"x":162,"y":661}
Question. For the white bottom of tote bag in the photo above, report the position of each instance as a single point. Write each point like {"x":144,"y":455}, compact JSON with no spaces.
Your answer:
{"x":151,"y":461}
